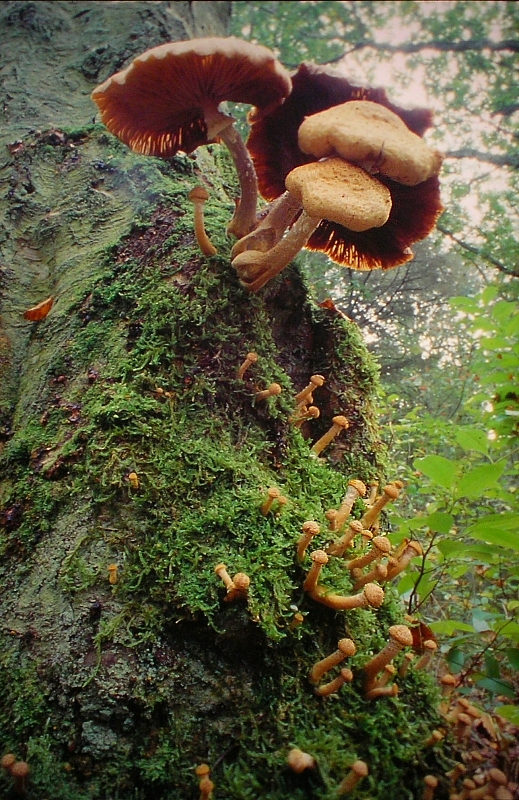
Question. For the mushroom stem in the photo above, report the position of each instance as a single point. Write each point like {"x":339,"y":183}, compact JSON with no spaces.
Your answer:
{"x":372,"y":596}
{"x":382,"y":691}
{"x":358,"y":771}
{"x":345,"y":648}
{"x":337,"y":548}
{"x":250,"y":359}
{"x":381,"y":547}
{"x":430,"y":647}
{"x":339,"y":424}
{"x":271,"y":228}
{"x":354,"y":490}
{"x":305,"y":396}
{"x":244,"y":218}
{"x":255,"y":268}
{"x":400,"y":636}
{"x":198,"y":197}
{"x":412,"y":550}
{"x":345,"y":676}
{"x":390,"y":492}
{"x":319,"y":559}
{"x":310,"y":529}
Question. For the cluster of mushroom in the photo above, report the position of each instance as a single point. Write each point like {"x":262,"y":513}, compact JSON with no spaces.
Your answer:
{"x":324,"y":139}
{"x":18,"y":770}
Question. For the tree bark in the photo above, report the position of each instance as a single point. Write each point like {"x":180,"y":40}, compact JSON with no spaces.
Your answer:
{"x":134,"y":461}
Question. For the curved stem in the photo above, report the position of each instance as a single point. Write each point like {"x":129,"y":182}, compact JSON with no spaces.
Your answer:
{"x":244,"y":218}
{"x":271,"y":228}
{"x":255,"y":268}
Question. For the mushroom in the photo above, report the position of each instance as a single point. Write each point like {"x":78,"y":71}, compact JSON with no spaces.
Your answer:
{"x":378,"y":573}
{"x":319,"y":559}
{"x":435,"y":737}
{"x":305,"y":396}
{"x":250,"y":359}
{"x":373,"y":136}
{"x":382,"y":691}
{"x":389,"y":493}
{"x":19,"y":771}
{"x":312,"y":412}
{"x":271,"y":391}
{"x":406,"y":663}
{"x":272,"y":494}
{"x":339,"y":424}
{"x":345,"y":648}
{"x":400,"y":636}
{"x":358,"y":770}
{"x":239,"y":588}
{"x":412,"y":549}
{"x":431,"y":782}
{"x":354,"y":490}
{"x":337,"y":548}
{"x":298,"y":760}
{"x":430,"y":648}
{"x":7,"y":761}
{"x":168,"y":100}
{"x":372,"y":596}
{"x":310,"y":529}
{"x":333,"y":190}
{"x":198,"y":196}
{"x":381,"y":546}
{"x":221,"y":571}
{"x":345,"y":676}
{"x":113,"y":575}
{"x":133,"y":480}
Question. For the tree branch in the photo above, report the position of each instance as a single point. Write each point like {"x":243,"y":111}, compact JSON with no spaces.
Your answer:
{"x":441,"y":45}
{"x":500,"y":160}
{"x":477,"y":251}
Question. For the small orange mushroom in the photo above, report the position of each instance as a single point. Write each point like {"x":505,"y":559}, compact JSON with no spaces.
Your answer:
{"x":250,"y":359}
{"x":345,"y":649}
{"x":198,"y":196}
{"x":310,"y":529}
{"x":431,"y":782}
{"x":305,"y":396}
{"x":20,"y":772}
{"x":272,"y":494}
{"x":339,"y":424}
{"x":400,"y":636}
{"x":319,"y":559}
{"x":389,"y":493}
{"x":271,"y":391}
{"x":372,"y":596}
{"x":338,"y":547}
{"x":358,"y":770}
{"x":298,"y":760}
{"x":113,"y":574}
{"x":345,"y":676}
{"x":355,"y":489}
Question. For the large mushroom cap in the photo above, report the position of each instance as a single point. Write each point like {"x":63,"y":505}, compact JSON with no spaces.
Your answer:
{"x":369,"y":134}
{"x":340,"y":192}
{"x":163,"y":101}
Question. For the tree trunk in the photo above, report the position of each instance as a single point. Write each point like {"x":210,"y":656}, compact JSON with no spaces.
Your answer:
{"x":135,"y":460}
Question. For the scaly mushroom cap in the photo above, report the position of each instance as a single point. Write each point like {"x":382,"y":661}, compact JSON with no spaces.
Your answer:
{"x":368,"y":134}
{"x":274,"y":149}
{"x":402,"y":635}
{"x":374,"y":594}
{"x":340,"y":192}
{"x":162,"y":101}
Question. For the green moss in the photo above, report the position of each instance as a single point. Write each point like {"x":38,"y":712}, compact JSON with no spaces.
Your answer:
{"x":135,"y":371}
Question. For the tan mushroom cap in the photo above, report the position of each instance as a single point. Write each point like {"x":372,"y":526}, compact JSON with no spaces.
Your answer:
{"x":401,"y":634}
{"x":340,"y":192}
{"x":165,"y":100}
{"x":374,"y":594}
{"x":370,"y":134}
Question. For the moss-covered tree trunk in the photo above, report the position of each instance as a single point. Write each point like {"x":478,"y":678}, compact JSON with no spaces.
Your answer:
{"x":129,"y":441}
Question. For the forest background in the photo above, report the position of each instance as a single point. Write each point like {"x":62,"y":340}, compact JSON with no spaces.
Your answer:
{"x":445,"y":326}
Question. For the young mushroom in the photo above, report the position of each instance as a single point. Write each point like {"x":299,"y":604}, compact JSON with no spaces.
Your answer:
{"x":305,"y":414}
{"x":412,"y":550}
{"x":400,"y":636}
{"x":198,"y":196}
{"x":271,"y":391}
{"x":19,"y":772}
{"x":305,"y":396}
{"x":113,"y":574}
{"x":382,"y":691}
{"x":339,"y":424}
{"x":337,"y":548}
{"x":429,"y":647}
{"x":298,"y":760}
{"x":239,"y":589}
{"x":431,"y":782}
{"x":345,"y":676}
{"x":354,"y":490}
{"x":272,"y":495}
{"x":250,"y":359}
{"x":319,"y":559}
{"x":358,"y":770}
{"x":345,"y":649}
{"x":389,"y":493}
{"x":381,"y":546}
{"x":372,"y":596}
{"x":333,"y":190}
{"x":168,"y":100}
{"x":310,"y":529}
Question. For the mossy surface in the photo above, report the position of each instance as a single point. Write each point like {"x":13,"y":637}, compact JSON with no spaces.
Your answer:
{"x":118,"y":691}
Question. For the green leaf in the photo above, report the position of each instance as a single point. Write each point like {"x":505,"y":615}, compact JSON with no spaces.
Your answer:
{"x":449,"y":626}
{"x":439,"y":469}
{"x":472,"y":439}
{"x":474,"y":482}
{"x":455,"y":658}
{"x":439,"y":521}
{"x":511,"y":713}
{"x":497,"y":529}
{"x":497,"y":686}
{"x":512,"y":654}
{"x":481,"y":552}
